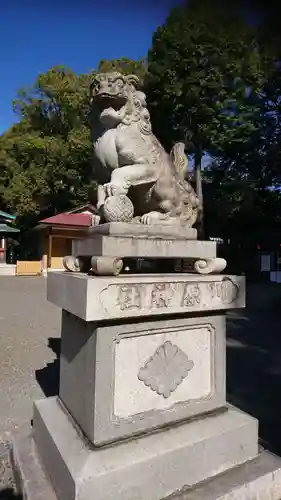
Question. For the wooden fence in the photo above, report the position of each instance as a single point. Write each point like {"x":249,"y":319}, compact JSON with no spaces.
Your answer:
{"x":28,"y":268}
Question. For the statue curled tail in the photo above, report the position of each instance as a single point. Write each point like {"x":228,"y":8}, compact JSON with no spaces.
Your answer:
{"x":179,"y":159}
{"x":190,"y":199}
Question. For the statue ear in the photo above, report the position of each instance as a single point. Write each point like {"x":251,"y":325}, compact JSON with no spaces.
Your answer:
{"x":141,"y":97}
{"x":133,"y":80}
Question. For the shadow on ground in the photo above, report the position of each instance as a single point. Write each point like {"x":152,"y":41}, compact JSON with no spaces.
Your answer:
{"x":9,"y":494}
{"x":48,"y":377}
{"x":254,"y":361}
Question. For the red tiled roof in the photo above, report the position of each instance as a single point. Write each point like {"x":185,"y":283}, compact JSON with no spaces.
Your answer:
{"x":83,"y":220}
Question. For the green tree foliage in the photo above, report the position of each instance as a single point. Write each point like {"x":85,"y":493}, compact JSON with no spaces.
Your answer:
{"x":204,"y":76}
{"x":239,"y":208}
{"x":46,"y":158}
{"x":246,"y":178}
{"x":125,"y":66}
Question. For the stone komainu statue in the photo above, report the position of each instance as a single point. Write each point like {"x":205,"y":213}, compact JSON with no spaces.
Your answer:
{"x":129,"y":161}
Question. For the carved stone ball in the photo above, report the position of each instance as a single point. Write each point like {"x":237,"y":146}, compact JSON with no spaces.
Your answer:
{"x":118,"y":208}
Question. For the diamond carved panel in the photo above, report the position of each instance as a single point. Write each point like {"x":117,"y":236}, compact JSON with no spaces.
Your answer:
{"x":164,"y":371}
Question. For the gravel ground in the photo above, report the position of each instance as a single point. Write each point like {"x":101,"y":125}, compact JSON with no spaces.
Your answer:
{"x":6,"y":473}
{"x":27,"y":322}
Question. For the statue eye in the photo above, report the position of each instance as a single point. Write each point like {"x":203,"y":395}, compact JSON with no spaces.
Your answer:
{"x":119,"y":82}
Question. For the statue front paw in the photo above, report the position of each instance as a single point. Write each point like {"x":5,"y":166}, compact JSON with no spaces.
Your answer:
{"x":112,"y":189}
{"x":151,"y":218}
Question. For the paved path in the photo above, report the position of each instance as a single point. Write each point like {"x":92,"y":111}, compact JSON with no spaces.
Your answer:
{"x":27,"y":321}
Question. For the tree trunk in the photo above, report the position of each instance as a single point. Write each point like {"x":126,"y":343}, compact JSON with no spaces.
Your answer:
{"x":199,"y":192}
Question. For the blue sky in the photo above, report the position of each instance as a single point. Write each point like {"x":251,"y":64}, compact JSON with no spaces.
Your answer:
{"x":36,"y":35}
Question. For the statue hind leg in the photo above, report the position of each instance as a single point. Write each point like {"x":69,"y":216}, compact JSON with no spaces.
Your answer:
{"x":154,"y":217}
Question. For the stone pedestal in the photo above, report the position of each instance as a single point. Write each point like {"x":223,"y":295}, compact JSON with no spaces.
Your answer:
{"x":137,"y":377}
{"x":107,"y":244}
{"x":142,"y":411}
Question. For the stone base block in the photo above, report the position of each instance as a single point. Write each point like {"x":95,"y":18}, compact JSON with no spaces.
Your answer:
{"x":148,"y":468}
{"x":134,"y":296}
{"x":30,"y":477}
{"x":128,"y":229}
{"x":148,"y":247}
{"x":257,"y":479}
{"x":140,"y":377}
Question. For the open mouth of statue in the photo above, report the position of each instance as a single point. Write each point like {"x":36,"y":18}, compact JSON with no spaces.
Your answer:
{"x":115,"y":102}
